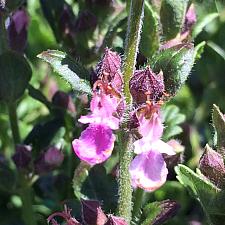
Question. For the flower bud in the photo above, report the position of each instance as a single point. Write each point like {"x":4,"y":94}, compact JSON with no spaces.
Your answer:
{"x":108,"y":70}
{"x":22,"y":157}
{"x":212,"y":166}
{"x":48,"y":160}
{"x":190,"y":19}
{"x":85,"y":21}
{"x":17,"y":30}
{"x":54,"y":157}
{"x":92,"y":212}
{"x":63,"y":100}
{"x":115,"y":220}
{"x":146,"y":85}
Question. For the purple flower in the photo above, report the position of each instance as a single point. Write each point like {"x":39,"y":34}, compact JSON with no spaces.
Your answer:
{"x":102,"y":109}
{"x":53,"y":157}
{"x":148,"y":169}
{"x":17,"y":30}
{"x":95,"y":144}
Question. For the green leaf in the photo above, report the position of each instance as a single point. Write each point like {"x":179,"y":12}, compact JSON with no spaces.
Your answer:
{"x":219,"y":125}
{"x":217,"y":49}
{"x":72,"y":71}
{"x":197,"y":29}
{"x":172,"y":16}
{"x":159,"y":212}
{"x":199,"y":49}
{"x":150,"y":33}
{"x":14,"y":77}
{"x":172,"y":119}
{"x":176,"y":64}
{"x":211,"y":198}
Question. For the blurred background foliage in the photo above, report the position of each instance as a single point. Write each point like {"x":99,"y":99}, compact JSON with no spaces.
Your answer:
{"x":83,"y":28}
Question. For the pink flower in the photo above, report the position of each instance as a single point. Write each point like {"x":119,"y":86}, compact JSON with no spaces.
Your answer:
{"x":102,"y":109}
{"x":95,"y":144}
{"x":148,"y":171}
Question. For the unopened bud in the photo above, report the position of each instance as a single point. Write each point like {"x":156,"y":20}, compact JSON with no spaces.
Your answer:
{"x":108,"y":70}
{"x":190,"y":19}
{"x":115,"y":220}
{"x":17,"y":30}
{"x":63,"y":100}
{"x":212,"y":166}
{"x":22,"y":156}
{"x":54,"y":157}
{"x":146,"y":85}
{"x":92,"y":212}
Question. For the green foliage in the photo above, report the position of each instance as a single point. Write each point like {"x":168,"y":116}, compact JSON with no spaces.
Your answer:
{"x":14,"y":77}
{"x":69,"y":69}
{"x":172,"y":15}
{"x":219,"y":125}
{"x":150,"y":34}
{"x":176,"y":64}
{"x":159,"y":212}
{"x":172,"y":119}
{"x":211,"y":198}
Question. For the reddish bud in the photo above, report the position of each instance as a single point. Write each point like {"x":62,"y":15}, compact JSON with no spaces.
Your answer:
{"x":17,"y":30}
{"x":108,"y":70}
{"x":92,"y":213}
{"x":54,"y":157}
{"x":115,"y":220}
{"x":146,"y":85}
{"x":212,"y":166}
{"x":190,"y":19}
{"x":63,"y":100}
{"x":22,"y":157}
{"x":48,"y":160}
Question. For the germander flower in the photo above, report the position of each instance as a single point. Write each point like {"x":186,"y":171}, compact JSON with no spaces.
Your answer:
{"x":95,"y":144}
{"x":148,"y":169}
{"x":102,"y":109}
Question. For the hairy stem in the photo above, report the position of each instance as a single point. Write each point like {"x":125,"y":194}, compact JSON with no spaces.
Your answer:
{"x":125,"y":137}
{"x":132,"y":42}
{"x":14,"y":122}
{"x":125,"y":189}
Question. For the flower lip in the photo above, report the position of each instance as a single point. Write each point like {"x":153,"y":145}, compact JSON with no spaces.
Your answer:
{"x":95,"y":144}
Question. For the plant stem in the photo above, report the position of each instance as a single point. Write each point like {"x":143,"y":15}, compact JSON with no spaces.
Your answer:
{"x":80,"y":175}
{"x":3,"y":40}
{"x":125,"y":189}
{"x":125,"y":137}
{"x":14,"y":122}
{"x":137,"y":202}
{"x":28,"y":214}
{"x":132,"y":42}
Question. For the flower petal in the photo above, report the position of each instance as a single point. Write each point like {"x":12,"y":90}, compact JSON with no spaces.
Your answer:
{"x":95,"y":144}
{"x":148,"y":171}
{"x":163,"y":147}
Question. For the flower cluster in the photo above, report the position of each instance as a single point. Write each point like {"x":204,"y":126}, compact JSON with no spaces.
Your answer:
{"x":148,"y":169}
{"x":96,"y":143}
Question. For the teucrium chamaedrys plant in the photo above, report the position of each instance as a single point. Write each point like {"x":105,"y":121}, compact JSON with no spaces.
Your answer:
{"x":125,"y":101}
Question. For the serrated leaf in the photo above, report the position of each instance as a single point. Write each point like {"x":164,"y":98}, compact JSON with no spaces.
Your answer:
{"x":172,"y":16}
{"x":159,"y":212}
{"x":211,"y":198}
{"x":14,"y":76}
{"x":197,"y":29}
{"x":150,"y":35}
{"x":69,"y":69}
{"x":219,"y":125}
{"x":176,"y":64}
